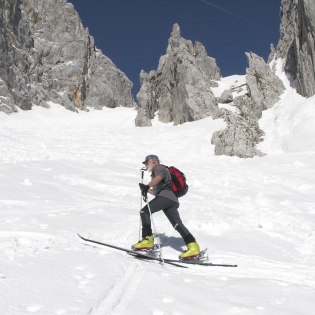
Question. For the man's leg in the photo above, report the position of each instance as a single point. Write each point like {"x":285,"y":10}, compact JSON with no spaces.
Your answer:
{"x":157,"y":204}
{"x":173,"y":216}
{"x":193,"y":248}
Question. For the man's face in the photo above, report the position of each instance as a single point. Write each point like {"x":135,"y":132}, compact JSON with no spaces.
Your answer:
{"x":150,"y":164}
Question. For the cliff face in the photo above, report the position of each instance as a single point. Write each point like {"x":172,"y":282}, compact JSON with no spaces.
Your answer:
{"x":16,"y":45}
{"x":242,"y":133}
{"x":180,"y":89}
{"x":297,"y":48}
{"x":47,"y":55}
{"x":297,"y":43}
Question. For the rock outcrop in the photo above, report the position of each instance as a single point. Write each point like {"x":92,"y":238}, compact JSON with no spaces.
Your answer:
{"x":180,"y":89}
{"x":15,"y":48}
{"x":242,"y":133}
{"x":297,"y":48}
{"x":46,"y":54}
{"x":297,"y":43}
{"x":226,"y":97}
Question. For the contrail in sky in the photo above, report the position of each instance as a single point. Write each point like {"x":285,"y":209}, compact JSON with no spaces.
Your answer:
{"x":230,"y":12}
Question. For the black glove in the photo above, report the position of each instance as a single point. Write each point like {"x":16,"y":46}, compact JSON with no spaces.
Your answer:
{"x":144,"y":190}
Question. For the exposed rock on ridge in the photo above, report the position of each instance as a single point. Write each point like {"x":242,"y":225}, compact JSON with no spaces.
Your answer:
{"x":297,"y":48}
{"x":297,"y":43}
{"x":47,"y":55}
{"x":180,"y":89}
{"x":242,"y":133}
{"x":15,"y":48}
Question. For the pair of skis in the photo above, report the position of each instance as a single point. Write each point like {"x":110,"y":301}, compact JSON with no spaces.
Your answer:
{"x":142,"y":255}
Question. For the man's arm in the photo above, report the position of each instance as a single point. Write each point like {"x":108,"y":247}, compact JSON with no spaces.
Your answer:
{"x":156,"y":180}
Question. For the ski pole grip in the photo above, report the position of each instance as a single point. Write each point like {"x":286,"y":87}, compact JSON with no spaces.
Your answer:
{"x":142,"y":172}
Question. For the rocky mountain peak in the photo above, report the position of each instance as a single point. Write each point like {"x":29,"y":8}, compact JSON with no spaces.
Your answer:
{"x":296,"y":44}
{"x":175,"y":34}
{"x":296,"y":48}
{"x":47,"y":55}
{"x":175,"y":39}
{"x":242,"y":133}
{"x":180,"y":89}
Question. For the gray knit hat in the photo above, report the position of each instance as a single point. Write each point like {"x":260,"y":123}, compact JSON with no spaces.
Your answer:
{"x":151,"y":157}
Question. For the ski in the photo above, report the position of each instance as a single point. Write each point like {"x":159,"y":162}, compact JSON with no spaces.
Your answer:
{"x":201,"y":260}
{"x":198,"y":262}
{"x":134,"y":253}
{"x":174,"y":262}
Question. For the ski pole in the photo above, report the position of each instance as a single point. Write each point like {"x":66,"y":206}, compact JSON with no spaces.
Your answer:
{"x":140,"y":223}
{"x":145,"y":199}
{"x":155,"y":233}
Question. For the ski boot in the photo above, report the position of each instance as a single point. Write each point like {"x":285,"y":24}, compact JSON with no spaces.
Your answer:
{"x":146,"y":244}
{"x":193,"y":251}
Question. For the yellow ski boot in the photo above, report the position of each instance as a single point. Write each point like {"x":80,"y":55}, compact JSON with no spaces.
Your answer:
{"x":146,"y":244}
{"x":193,"y":250}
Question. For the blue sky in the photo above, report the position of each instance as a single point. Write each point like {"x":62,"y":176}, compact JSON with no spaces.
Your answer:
{"x":134,"y":33}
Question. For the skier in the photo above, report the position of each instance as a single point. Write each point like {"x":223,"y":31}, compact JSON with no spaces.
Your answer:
{"x":165,"y":200}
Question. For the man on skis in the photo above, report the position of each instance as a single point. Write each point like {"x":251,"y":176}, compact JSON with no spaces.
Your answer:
{"x":165,"y":199}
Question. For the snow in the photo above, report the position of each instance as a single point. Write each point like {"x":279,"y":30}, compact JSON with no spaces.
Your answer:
{"x":289,"y":125}
{"x":64,"y":173}
{"x":233,"y":82}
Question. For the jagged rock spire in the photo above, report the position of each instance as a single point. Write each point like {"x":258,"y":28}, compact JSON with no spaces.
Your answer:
{"x":176,"y":34}
{"x":296,"y":43}
{"x":296,"y":48}
{"x":180,"y":89}
{"x":46,"y":54}
{"x":242,"y":133}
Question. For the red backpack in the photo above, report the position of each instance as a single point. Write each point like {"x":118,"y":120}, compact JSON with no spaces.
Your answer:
{"x":178,"y":185}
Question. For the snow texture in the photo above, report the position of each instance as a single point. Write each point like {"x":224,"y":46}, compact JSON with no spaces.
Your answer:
{"x":63,"y":173}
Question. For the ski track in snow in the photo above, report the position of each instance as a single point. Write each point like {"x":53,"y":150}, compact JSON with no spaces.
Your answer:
{"x":121,"y":293}
{"x":63,"y":173}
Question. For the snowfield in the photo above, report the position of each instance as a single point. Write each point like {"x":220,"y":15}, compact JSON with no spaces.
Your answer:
{"x":64,"y":173}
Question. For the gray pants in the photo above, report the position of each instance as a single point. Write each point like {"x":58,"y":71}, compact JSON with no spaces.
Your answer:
{"x":170,"y":208}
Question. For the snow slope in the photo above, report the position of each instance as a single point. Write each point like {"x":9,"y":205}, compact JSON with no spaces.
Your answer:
{"x":63,"y":173}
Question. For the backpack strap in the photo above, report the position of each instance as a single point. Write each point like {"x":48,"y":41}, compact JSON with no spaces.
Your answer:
{"x":169,"y":185}
{"x":165,"y":183}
